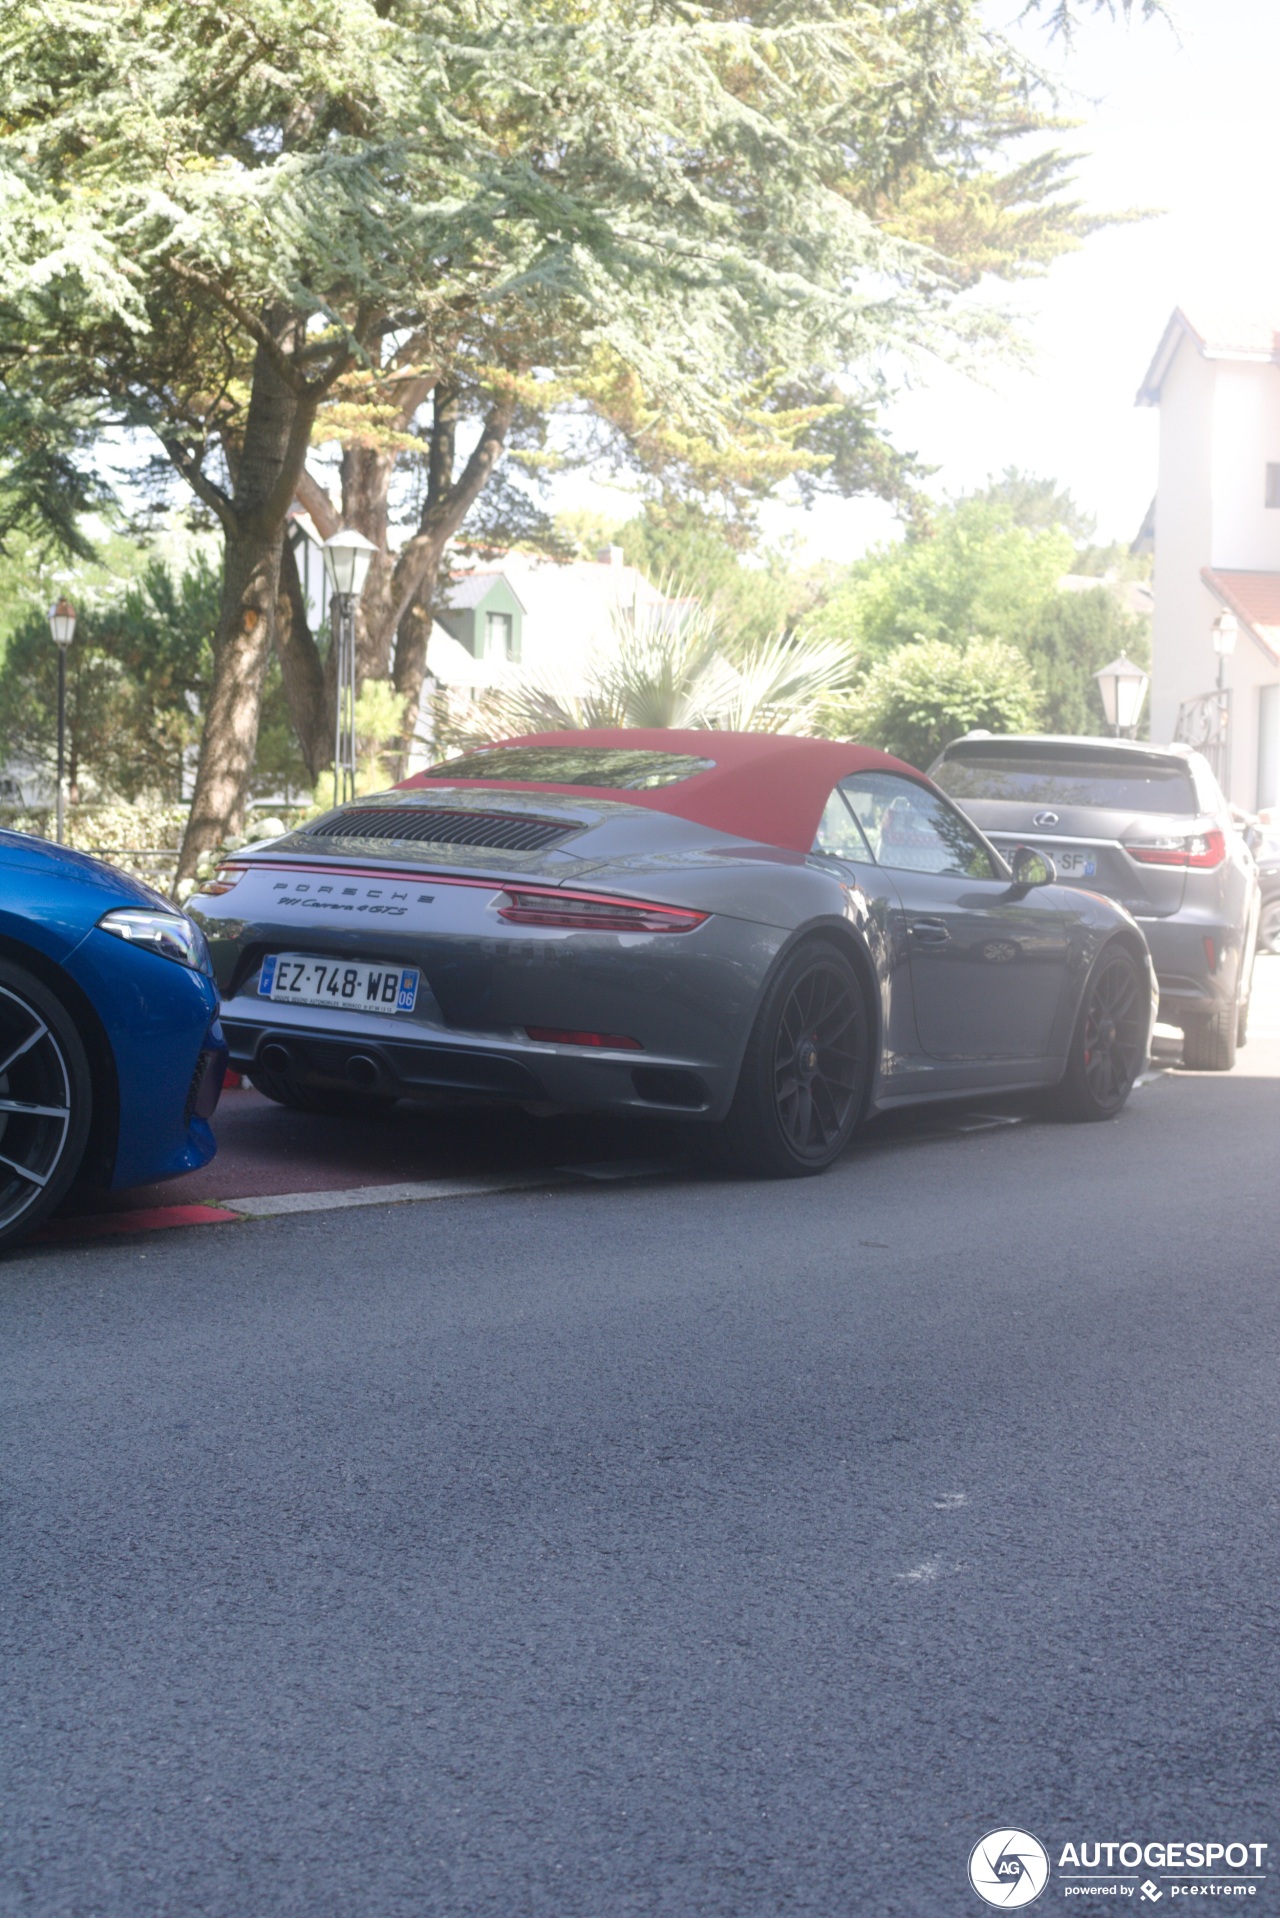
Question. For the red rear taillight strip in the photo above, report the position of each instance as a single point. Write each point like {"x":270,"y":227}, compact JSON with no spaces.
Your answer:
{"x":524,"y":905}
{"x":592,"y":912}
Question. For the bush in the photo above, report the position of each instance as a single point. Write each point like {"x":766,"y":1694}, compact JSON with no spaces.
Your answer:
{"x":916,"y":699}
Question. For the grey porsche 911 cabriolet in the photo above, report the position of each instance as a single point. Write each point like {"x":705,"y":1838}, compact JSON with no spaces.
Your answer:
{"x":768,"y":935}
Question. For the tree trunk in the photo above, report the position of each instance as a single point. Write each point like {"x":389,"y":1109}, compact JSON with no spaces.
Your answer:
{"x":412,"y":638}
{"x":251,"y":569}
{"x":366,"y":482}
{"x":282,"y":407}
{"x":417,"y":568}
{"x":307,"y":693}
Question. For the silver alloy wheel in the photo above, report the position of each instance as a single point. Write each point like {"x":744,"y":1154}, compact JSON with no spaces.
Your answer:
{"x":35,"y":1106}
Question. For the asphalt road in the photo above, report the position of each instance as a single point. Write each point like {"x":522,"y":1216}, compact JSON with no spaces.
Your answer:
{"x":684,"y":1547}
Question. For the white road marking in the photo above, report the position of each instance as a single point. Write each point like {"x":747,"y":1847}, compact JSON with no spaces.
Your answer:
{"x":268,"y":1205}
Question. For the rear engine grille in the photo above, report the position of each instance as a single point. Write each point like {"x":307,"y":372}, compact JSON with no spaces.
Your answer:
{"x":436,"y":826}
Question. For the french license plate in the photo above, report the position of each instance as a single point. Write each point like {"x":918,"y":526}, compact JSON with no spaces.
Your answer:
{"x":305,"y":980}
{"x":1073,"y":862}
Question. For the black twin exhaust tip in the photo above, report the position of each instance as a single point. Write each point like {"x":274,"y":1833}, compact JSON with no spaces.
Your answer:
{"x":360,"y":1069}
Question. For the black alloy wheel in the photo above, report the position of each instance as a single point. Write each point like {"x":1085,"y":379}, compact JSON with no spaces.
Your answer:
{"x":803,"y":1084}
{"x":1107,"y":1045}
{"x":46,"y":1099}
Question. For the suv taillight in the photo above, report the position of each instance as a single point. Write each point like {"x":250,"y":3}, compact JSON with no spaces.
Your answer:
{"x":1202,"y":849}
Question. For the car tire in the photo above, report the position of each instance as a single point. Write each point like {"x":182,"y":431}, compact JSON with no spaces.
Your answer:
{"x":1269,"y":925}
{"x":1107,"y":1043}
{"x":46,"y":1091}
{"x":1209,"y":1045}
{"x":1242,"y":1013}
{"x":334,"y":1101}
{"x":802,"y":1089}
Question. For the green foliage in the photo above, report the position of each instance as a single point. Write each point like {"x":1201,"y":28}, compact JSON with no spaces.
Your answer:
{"x":136,"y":668}
{"x":916,"y":699}
{"x":974,"y":574}
{"x":1039,"y":505}
{"x":658,"y":210}
{"x":1076,"y":635}
{"x":990,"y":567}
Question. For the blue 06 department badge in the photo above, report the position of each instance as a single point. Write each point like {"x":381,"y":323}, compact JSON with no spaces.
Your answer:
{"x":1008,"y":1868}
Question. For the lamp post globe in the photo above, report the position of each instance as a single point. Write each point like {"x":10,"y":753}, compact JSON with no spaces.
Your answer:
{"x":1123,"y":687}
{"x":347,"y":557}
{"x":1226,"y":631}
{"x":62,"y":622}
{"x":62,"y":629}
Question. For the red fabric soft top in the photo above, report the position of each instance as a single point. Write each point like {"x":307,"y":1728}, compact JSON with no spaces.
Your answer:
{"x":769,"y":787}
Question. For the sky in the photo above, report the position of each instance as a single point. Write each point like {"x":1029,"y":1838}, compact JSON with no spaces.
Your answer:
{"x":1183,"y":120}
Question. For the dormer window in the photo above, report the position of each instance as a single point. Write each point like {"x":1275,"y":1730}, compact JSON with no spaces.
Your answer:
{"x":498,"y":633}
{"x":1273,"y":484}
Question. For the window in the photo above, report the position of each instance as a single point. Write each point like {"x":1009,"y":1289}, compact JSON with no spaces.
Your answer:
{"x":839,"y":834}
{"x":911,"y":828}
{"x":497,"y":635}
{"x":630,"y":769}
{"x":1273,"y":485}
{"x":1120,"y":780}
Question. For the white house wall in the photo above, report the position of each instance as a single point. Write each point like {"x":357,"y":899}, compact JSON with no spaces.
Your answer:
{"x":1245,"y":535}
{"x":1246,"y":436}
{"x":1182,"y":660}
{"x":1219,"y":429}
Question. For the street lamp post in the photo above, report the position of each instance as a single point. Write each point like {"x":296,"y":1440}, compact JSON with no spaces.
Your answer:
{"x":62,"y":626}
{"x":1123,"y":687}
{"x":347,"y":556}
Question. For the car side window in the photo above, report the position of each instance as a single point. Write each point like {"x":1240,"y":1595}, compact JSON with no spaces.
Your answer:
{"x":913,"y":829}
{"x":839,"y":833}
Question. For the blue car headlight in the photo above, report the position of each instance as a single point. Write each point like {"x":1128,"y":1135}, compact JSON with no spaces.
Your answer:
{"x":170,"y":935}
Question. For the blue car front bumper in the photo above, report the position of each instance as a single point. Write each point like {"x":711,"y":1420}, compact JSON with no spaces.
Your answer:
{"x":161,"y":1021}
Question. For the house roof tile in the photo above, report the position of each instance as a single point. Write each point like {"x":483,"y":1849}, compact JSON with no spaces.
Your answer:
{"x":1254,"y":598}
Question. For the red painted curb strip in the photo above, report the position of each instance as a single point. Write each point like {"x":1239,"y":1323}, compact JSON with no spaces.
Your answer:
{"x":99,"y":1224}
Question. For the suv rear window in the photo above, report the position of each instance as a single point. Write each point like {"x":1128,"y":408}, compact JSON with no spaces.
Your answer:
{"x":1119,"y":782}
{"x":630,"y":769}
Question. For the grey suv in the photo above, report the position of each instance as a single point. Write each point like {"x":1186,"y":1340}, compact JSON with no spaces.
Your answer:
{"x":1149,"y":827}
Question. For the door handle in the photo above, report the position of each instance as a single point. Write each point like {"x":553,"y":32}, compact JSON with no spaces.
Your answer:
{"x":929,"y":932}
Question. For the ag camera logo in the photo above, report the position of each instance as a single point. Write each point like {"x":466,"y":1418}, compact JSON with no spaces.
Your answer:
{"x":1008,"y":1868}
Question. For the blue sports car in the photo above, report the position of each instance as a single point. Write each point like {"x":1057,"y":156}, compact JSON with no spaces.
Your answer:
{"x":111,"y":1056}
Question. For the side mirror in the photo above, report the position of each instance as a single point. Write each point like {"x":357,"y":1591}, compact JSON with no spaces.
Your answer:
{"x":1031,"y":867}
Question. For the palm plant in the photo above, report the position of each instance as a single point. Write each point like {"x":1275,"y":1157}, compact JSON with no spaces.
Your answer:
{"x":677,"y":663}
